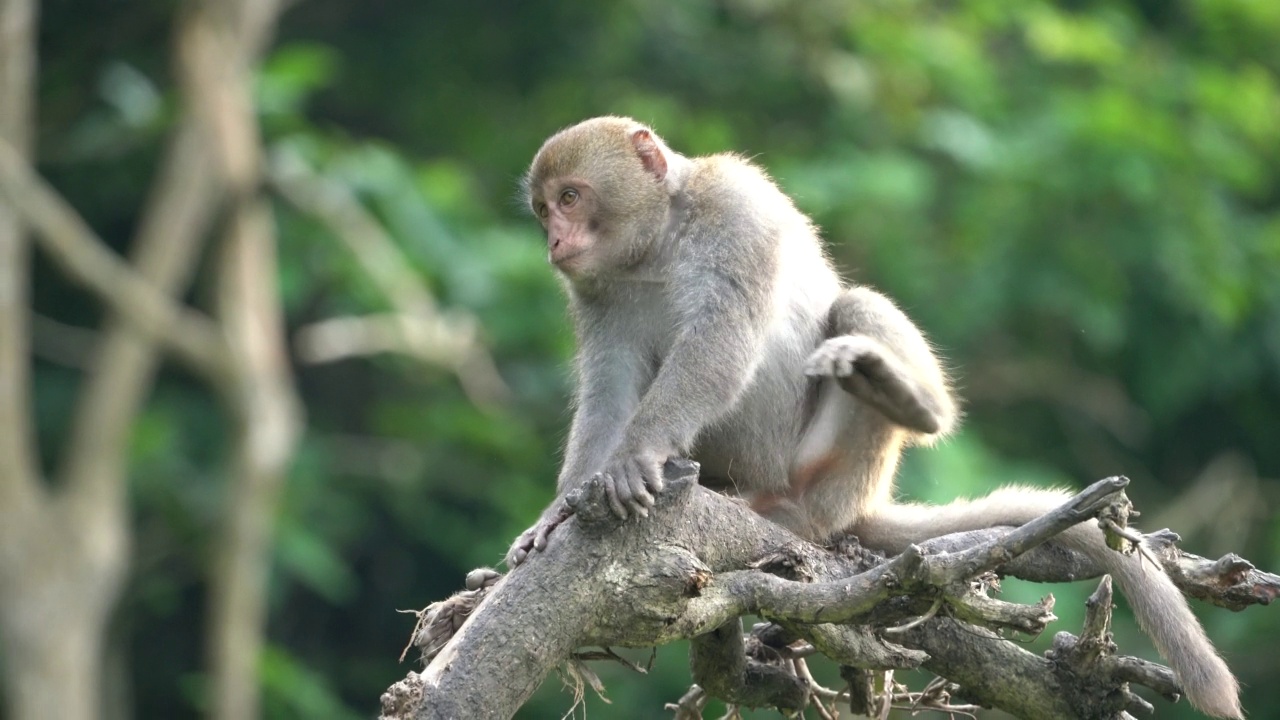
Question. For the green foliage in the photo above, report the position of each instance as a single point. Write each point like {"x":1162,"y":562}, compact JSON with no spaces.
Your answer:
{"x":1079,"y":201}
{"x":294,"y":691}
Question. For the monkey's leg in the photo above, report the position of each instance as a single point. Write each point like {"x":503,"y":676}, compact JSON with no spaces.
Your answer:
{"x":879,"y":356}
{"x":881,"y":387}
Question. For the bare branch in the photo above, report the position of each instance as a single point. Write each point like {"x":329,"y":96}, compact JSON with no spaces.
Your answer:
{"x":18,"y":72}
{"x":417,"y":328}
{"x":701,"y":560}
{"x":734,"y":593}
{"x":75,"y":247}
{"x":62,"y":344}
{"x":435,"y":338}
{"x":1092,"y":660}
{"x":721,"y":667}
{"x":1230,"y":581}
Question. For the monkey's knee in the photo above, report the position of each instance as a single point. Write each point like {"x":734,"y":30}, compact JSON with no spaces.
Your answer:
{"x":861,"y":310}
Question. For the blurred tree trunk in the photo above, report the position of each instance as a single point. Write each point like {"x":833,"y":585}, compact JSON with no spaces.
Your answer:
{"x":64,"y":545}
{"x":221,"y":44}
{"x":61,"y":553}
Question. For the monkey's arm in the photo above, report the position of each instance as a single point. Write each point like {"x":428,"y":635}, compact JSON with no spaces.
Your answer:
{"x":609,"y":381}
{"x":878,"y":355}
{"x":722,"y":290}
{"x":606,"y":397}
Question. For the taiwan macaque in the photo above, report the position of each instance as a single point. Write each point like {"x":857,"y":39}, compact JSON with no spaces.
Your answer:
{"x":711,"y":325}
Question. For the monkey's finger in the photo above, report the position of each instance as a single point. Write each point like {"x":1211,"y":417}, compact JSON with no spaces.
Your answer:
{"x":518,"y":550}
{"x":653,"y":478}
{"x":611,"y":492}
{"x":637,"y":501}
{"x":540,"y":539}
{"x":641,"y":500}
{"x":623,"y":487}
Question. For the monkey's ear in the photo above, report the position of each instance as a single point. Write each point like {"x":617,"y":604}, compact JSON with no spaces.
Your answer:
{"x":650,"y":153}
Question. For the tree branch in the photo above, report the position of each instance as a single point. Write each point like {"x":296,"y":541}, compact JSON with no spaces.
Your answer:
{"x":417,"y":327}
{"x":701,"y":560}
{"x":85,"y":258}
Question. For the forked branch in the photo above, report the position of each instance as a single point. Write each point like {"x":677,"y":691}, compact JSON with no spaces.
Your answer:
{"x":701,"y":561}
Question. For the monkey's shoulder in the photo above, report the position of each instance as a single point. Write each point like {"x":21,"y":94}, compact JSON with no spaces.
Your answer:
{"x":730,"y":190}
{"x":729,"y":173}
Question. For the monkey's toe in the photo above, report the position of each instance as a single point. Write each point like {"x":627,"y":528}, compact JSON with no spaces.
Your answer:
{"x":836,"y":357}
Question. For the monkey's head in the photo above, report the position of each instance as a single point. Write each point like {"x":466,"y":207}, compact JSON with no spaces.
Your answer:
{"x":600,"y":189}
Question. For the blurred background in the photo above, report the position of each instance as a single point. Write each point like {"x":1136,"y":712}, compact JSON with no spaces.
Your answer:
{"x":1078,"y":201}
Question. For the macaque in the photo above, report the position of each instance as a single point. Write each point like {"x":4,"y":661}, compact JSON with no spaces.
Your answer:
{"x":711,"y":325}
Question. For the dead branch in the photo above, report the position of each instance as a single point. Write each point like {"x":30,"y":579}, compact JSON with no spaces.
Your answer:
{"x":701,"y":560}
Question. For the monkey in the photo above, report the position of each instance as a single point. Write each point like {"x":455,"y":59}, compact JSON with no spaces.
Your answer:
{"x":711,"y":324}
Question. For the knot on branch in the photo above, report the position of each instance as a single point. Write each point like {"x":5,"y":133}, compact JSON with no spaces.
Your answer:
{"x":787,"y":562}
{"x":402,"y":700}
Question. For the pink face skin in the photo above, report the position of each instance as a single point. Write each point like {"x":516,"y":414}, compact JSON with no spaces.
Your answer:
{"x":566,"y":216}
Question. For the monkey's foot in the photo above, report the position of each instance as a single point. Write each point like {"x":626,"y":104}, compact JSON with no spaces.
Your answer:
{"x":867,"y":370}
{"x":535,"y":538}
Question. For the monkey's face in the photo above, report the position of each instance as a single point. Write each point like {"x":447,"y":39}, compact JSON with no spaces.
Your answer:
{"x":597,"y":188}
{"x":569,"y":209}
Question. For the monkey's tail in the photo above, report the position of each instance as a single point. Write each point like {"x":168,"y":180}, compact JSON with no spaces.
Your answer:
{"x":1158,"y":604}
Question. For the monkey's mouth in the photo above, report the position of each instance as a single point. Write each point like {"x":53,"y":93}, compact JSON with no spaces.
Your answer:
{"x":562,"y":259}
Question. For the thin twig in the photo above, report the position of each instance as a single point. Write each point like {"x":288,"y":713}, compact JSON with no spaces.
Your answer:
{"x":933,"y":610}
{"x":610,"y":655}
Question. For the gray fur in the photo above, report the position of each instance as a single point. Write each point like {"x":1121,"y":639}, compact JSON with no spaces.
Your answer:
{"x":711,"y":324}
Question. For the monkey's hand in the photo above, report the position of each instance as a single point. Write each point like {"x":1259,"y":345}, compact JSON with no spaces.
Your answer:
{"x":869,"y":371}
{"x":631,"y":479}
{"x":535,"y":538}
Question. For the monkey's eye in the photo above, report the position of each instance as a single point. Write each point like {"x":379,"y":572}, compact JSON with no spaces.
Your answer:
{"x":568,"y":197}
{"x":541,"y":210}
